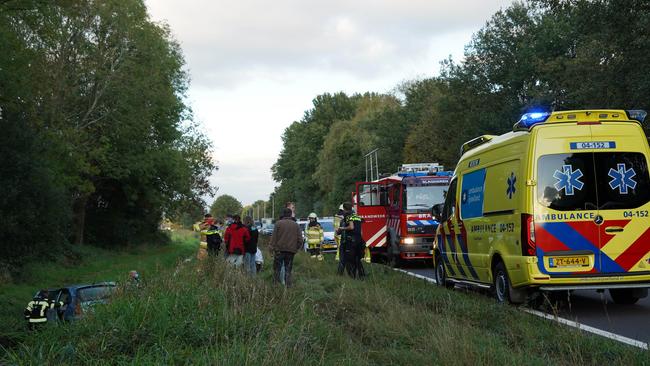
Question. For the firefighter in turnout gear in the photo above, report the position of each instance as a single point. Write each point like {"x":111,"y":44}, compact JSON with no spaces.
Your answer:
{"x":36,"y":310}
{"x":352,"y":245}
{"x":338,"y":218}
{"x":314,"y":235}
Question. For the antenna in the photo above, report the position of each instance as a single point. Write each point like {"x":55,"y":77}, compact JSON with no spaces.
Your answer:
{"x":372,"y":166}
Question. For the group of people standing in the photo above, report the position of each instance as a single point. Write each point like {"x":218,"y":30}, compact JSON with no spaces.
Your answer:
{"x":240,"y":239}
{"x":286,"y":241}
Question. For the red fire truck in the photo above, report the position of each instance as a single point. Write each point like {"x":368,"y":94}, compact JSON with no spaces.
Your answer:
{"x":396,"y":212}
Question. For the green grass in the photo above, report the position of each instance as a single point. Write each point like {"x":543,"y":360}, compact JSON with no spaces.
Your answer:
{"x":207,"y":313}
{"x":85,"y":265}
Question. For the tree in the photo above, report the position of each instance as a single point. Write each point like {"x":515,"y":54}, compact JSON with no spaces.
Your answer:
{"x":104,"y":86}
{"x":225,"y":205}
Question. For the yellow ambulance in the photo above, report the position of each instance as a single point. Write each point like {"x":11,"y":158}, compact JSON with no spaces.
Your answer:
{"x":560,"y":203}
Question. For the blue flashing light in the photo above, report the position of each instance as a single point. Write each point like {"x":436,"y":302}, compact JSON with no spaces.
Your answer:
{"x":528,"y":120}
{"x":637,"y":114}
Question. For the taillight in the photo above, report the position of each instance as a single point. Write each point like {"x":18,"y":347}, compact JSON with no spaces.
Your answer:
{"x":528,"y":246}
{"x":77,"y":308}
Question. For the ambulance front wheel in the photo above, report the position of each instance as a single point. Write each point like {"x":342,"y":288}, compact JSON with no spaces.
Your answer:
{"x":441,"y":273}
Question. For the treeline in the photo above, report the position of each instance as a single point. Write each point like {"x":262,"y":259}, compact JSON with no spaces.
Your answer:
{"x":555,"y":54}
{"x":96,"y":141}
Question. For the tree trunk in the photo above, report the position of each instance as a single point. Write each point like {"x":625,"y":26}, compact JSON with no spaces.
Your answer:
{"x":80,"y":218}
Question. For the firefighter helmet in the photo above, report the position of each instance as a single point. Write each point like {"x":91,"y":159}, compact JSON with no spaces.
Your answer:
{"x":313,"y":215}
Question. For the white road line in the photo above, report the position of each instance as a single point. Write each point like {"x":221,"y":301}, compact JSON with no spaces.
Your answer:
{"x":590,"y":329}
{"x":571,"y":323}
{"x":428,"y":279}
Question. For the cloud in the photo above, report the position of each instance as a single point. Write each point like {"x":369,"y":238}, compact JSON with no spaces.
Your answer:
{"x":256,"y":65}
{"x":232,"y":42}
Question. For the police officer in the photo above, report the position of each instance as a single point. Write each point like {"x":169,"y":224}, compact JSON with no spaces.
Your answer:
{"x":352,"y":245}
{"x":315,"y":236}
{"x":36,"y":310}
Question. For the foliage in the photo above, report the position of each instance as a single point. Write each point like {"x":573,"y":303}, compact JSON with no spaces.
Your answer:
{"x":225,"y":205}
{"x":104,"y":87}
{"x":84,"y":264}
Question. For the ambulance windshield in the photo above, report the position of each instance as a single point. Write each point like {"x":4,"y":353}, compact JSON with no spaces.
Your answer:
{"x":422,"y":198}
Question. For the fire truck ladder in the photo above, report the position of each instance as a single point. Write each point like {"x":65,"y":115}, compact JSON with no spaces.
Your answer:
{"x":372,"y":166}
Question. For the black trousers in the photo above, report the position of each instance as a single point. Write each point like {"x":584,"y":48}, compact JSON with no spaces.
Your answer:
{"x":281,"y":259}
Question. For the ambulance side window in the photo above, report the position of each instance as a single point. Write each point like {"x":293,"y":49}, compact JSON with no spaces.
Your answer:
{"x":450,"y":202}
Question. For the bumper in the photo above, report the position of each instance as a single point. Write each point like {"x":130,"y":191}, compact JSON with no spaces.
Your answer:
{"x":526,"y":270}
{"x":422,"y":248}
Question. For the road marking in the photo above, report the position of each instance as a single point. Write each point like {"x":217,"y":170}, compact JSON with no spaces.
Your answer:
{"x":428,"y":279}
{"x":590,"y":329}
{"x":571,"y":323}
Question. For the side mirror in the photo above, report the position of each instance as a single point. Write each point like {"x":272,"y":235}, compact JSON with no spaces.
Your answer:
{"x":436,"y":211}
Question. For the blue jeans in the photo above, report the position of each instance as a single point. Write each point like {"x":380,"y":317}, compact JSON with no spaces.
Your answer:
{"x":249,"y":263}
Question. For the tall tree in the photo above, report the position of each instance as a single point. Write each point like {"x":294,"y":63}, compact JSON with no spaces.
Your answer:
{"x":225,"y":205}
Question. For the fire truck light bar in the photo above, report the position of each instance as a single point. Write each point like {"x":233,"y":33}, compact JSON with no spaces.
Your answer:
{"x":419,"y":169}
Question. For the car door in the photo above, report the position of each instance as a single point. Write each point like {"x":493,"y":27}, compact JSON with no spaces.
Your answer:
{"x":446,"y":233}
{"x":623,"y":187}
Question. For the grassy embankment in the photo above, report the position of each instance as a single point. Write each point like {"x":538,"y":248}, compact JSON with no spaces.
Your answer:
{"x":86,"y":265}
{"x":204,"y":313}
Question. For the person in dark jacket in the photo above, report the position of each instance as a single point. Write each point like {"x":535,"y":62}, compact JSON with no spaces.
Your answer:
{"x":250,"y":247}
{"x":236,"y":235}
{"x":353,"y":247}
{"x":285,"y":242}
{"x":213,"y":239}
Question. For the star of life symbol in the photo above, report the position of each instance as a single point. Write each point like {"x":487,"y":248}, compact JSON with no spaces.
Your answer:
{"x":622,"y":178}
{"x":568,"y":179}
{"x":511,"y":185}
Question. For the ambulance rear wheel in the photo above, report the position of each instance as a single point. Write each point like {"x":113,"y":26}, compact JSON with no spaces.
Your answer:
{"x":501,"y":284}
{"x":623,"y":296}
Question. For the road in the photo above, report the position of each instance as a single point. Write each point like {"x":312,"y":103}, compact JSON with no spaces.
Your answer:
{"x":596,"y":310}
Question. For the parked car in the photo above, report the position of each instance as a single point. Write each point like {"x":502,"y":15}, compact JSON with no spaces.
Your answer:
{"x":329,"y":244}
{"x":267,"y":229}
{"x":80,"y":299}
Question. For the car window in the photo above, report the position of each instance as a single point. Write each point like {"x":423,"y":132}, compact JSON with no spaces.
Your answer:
{"x":623,"y":180}
{"x":450,"y":202}
{"x":327,"y":225}
{"x":589,"y":181}
{"x":94,"y":293}
{"x":566,"y":182}
{"x":65,"y":296}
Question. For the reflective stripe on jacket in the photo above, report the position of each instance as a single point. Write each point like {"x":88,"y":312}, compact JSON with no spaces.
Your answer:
{"x":314,"y":235}
{"x":35,"y":312}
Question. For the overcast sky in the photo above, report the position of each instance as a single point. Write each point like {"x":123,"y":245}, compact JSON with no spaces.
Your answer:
{"x":256,"y":65}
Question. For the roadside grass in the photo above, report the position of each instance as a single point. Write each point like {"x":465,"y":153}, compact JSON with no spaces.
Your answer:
{"x":208,"y":313}
{"x":85,"y":265}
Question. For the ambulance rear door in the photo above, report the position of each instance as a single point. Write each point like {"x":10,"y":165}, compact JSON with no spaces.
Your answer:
{"x":623,"y":192}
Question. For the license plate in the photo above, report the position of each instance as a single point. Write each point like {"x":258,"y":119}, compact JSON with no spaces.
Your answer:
{"x":555,"y":262}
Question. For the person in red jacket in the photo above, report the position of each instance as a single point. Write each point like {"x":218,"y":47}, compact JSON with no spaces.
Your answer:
{"x":236,"y":235}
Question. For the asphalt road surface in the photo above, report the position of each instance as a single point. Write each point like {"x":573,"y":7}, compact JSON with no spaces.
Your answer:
{"x":594,"y":309}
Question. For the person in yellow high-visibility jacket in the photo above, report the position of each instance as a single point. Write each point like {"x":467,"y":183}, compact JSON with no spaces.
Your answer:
{"x":314,"y":235}
{"x":337,"y":236}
